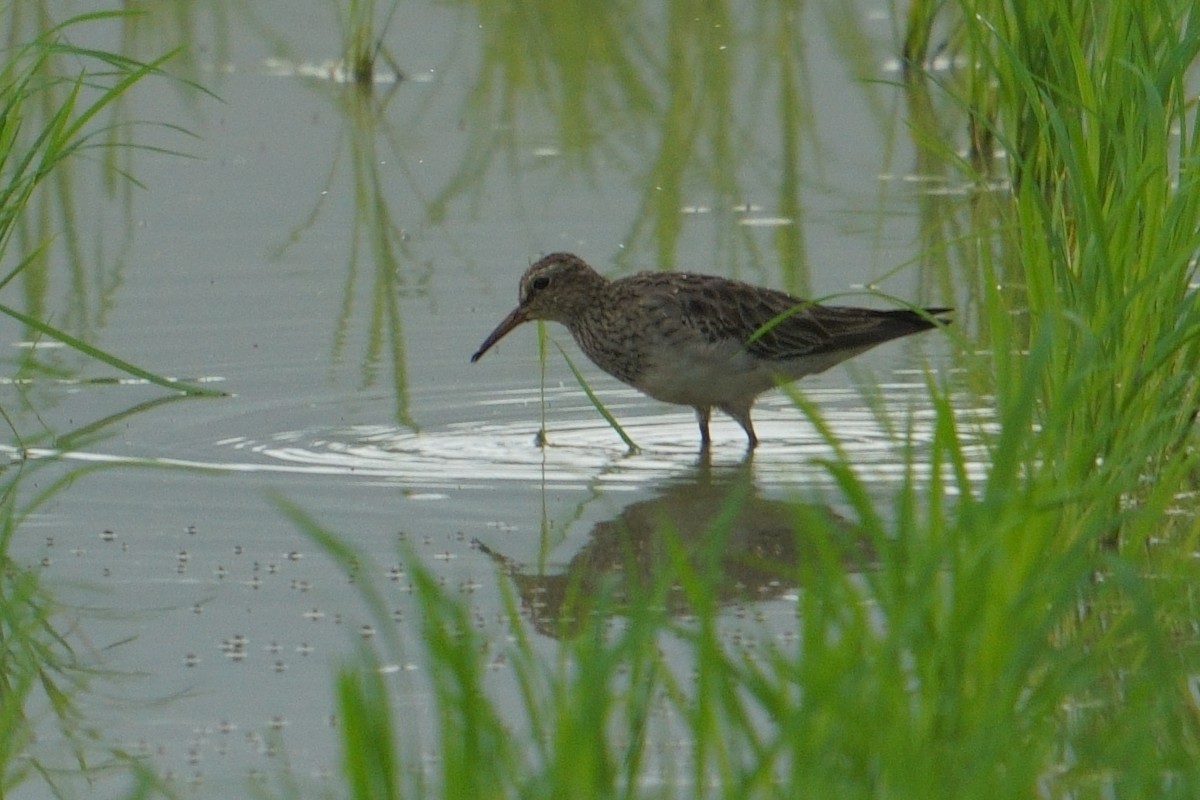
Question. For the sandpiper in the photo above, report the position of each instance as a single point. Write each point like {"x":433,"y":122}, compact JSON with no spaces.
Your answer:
{"x":699,"y":340}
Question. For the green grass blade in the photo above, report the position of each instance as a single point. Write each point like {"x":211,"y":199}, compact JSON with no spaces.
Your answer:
{"x":597,"y":404}
{"x":368,"y":734}
{"x":541,"y":337}
{"x":109,"y":358}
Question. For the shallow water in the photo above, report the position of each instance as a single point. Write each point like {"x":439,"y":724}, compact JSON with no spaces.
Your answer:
{"x":332,"y":258}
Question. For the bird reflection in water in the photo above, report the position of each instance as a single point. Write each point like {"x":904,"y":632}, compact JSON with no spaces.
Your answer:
{"x":744,"y":547}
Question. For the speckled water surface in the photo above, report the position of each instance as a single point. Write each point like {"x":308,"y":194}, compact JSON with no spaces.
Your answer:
{"x":331,"y":256}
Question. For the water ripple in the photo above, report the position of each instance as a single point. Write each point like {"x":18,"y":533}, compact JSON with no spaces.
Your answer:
{"x":580,"y":452}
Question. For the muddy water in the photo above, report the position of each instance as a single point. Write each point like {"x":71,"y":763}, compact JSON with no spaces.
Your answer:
{"x":330,"y":258}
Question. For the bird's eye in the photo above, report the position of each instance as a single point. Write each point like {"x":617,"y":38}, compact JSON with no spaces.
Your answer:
{"x":539,"y":283}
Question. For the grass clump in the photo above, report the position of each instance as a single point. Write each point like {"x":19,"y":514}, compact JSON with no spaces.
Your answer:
{"x":1103,"y":154}
{"x":35,"y":143}
{"x":1077,"y":549}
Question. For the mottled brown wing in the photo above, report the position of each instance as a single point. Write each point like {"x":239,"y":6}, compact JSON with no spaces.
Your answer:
{"x":820,"y":329}
{"x":777,"y":326}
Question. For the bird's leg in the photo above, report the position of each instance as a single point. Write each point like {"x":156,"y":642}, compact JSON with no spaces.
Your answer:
{"x":702,"y":415}
{"x":741,"y":413}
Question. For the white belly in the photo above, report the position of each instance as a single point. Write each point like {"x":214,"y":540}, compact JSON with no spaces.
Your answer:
{"x":716,"y":375}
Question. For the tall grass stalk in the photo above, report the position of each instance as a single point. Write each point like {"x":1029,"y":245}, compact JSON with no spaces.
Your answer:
{"x":542,"y":338}
{"x":362,"y":43}
{"x":919,"y":30}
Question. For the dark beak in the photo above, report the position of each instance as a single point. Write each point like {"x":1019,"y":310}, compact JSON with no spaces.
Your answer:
{"x":511,"y":321}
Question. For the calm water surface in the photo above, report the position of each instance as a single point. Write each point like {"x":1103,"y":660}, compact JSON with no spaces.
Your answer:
{"x":331,"y":258}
